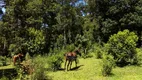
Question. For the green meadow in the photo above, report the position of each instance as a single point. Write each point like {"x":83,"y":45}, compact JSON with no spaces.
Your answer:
{"x":90,"y":69}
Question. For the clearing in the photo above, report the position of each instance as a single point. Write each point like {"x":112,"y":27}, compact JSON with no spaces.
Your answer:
{"x":90,"y":69}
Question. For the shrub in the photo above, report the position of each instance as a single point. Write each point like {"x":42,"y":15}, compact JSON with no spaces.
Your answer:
{"x":19,"y":71}
{"x":98,"y":49}
{"x":4,"y":78}
{"x":2,"y":61}
{"x":70,"y":47}
{"x":27,"y":57}
{"x":139,"y":55}
{"x":122,"y":46}
{"x":108,"y":64}
{"x":32,"y":69}
{"x":39,"y":69}
{"x":23,"y":69}
{"x":55,"y":62}
{"x":89,"y":55}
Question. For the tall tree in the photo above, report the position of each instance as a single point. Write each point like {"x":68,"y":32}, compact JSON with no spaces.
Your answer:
{"x":21,"y":15}
{"x":115,"y":15}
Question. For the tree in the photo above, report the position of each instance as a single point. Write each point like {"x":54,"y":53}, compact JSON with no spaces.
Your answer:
{"x":36,"y":42}
{"x":22,"y":16}
{"x":4,"y":38}
{"x":122,"y":46}
{"x":116,"y":15}
{"x":54,"y":18}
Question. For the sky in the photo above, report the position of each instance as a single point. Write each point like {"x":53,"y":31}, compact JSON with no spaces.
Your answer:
{"x":2,"y":7}
{"x":80,"y":2}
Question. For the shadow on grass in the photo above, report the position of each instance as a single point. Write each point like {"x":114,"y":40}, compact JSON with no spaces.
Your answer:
{"x":72,"y":69}
{"x":76,"y":68}
{"x":62,"y":69}
{"x":111,"y":74}
{"x":54,"y":70}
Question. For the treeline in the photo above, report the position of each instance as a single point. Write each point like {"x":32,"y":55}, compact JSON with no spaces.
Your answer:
{"x":42,"y":26}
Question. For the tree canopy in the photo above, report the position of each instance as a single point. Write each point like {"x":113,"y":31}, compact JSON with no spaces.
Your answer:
{"x":38,"y":26}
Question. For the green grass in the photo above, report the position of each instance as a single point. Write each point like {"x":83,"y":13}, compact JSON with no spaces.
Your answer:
{"x":7,"y":67}
{"x":90,"y":69}
{"x":127,"y":73}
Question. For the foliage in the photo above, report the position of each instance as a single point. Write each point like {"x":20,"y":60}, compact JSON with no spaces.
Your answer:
{"x":55,"y":61}
{"x":4,"y":38}
{"x":108,"y":64}
{"x":70,"y":47}
{"x":39,"y":69}
{"x":14,"y":49}
{"x":98,"y":50}
{"x":19,"y":71}
{"x":116,"y":15}
{"x":27,"y":57}
{"x":122,"y":46}
{"x":48,"y":26}
{"x":139,"y":55}
{"x":60,"y":42}
{"x":32,"y":68}
{"x":41,"y":25}
{"x":36,"y":40}
{"x":3,"y":61}
{"x":4,"y":78}
{"x":91,"y":69}
{"x":84,"y":43}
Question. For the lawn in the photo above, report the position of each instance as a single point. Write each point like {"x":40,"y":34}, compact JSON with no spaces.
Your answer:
{"x":90,"y":69}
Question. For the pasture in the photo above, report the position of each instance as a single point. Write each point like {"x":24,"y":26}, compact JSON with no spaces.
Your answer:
{"x":90,"y":69}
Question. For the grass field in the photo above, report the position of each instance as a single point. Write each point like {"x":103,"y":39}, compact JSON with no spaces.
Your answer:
{"x":90,"y":69}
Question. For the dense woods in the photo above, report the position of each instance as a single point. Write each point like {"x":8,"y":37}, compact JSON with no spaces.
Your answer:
{"x":47,"y":27}
{"x":37,"y":27}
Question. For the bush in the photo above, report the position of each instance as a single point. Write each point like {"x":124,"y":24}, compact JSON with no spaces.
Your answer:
{"x":4,"y":78}
{"x":24,"y":68}
{"x":87,"y":56}
{"x":70,"y":47}
{"x":39,"y":69}
{"x":122,"y":46}
{"x":139,"y":55}
{"x":32,"y":69}
{"x":55,"y":62}
{"x":2,"y":61}
{"x":98,"y":51}
{"x":108,"y":64}
{"x":27,"y":57}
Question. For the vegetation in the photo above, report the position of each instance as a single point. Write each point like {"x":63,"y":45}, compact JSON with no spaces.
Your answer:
{"x":50,"y":28}
{"x":39,"y":69}
{"x":91,"y":68}
{"x":122,"y":46}
{"x":108,"y":64}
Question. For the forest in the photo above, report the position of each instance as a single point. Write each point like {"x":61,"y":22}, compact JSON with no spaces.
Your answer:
{"x":108,"y":32}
